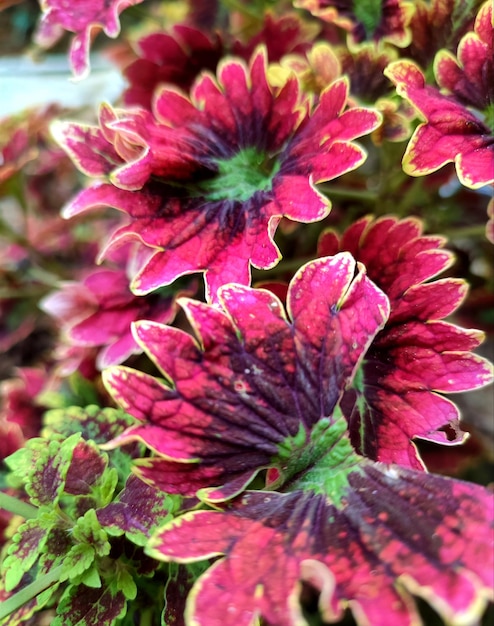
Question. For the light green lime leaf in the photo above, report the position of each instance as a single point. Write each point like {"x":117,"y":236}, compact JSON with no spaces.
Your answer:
{"x":23,"y":552}
{"x":78,"y":560}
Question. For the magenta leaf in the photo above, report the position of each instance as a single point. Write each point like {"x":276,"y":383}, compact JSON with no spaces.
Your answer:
{"x":86,"y":467}
{"x":451,"y":132}
{"x":137,"y":511}
{"x":396,"y":394}
{"x":98,"y":312}
{"x":89,"y":146}
{"x":247,"y":394}
{"x":176,"y":57}
{"x":395,"y":533}
{"x":469,"y":76}
{"x":81,"y":17}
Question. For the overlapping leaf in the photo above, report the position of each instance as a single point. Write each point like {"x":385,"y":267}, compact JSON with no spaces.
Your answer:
{"x":98,"y":312}
{"x":437,"y":24}
{"x":396,"y":395}
{"x":83,"y":605}
{"x":93,"y":422}
{"x":137,"y":511}
{"x":24,"y":551}
{"x":451,"y":132}
{"x":470,"y":75}
{"x":43,"y":468}
{"x":249,"y":395}
{"x":176,"y":57}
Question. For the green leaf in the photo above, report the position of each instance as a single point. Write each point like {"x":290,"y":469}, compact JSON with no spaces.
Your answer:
{"x":126,"y":584}
{"x":77,"y":391}
{"x":46,"y":481}
{"x":23,"y":552}
{"x":84,"y":390}
{"x":78,"y":560}
{"x":21,"y":463}
{"x":57,"y":546}
{"x":105,"y":486}
{"x":87,"y":530}
{"x":369,"y":13}
{"x":329,"y":474}
{"x":90,"y":578}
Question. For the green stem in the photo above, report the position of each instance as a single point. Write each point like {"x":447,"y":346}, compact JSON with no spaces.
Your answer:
{"x":19,"y":294}
{"x":236,"y":5}
{"x":138,"y":13}
{"x":285,"y":266}
{"x":465,"y":231}
{"x":349,"y":193}
{"x":16,"y":506}
{"x":410,"y":197}
{"x":146,"y":618}
{"x":29,"y":592}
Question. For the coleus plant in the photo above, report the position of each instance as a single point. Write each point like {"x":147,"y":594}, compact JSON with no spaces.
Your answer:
{"x":254,"y":458}
{"x":86,"y":523}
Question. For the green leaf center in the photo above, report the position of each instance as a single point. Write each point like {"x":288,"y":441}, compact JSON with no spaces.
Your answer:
{"x":369,"y":13}
{"x":489,"y":117}
{"x":320,"y":464}
{"x":240,"y":177}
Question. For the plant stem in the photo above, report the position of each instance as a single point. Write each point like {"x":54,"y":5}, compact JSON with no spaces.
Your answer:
{"x":409,"y":198}
{"x":465,"y":231}
{"x":16,"y":506}
{"x":235,"y":5}
{"x":282,"y":267}
{"x":146,"y":618}
{"x":349,"y":193}
{"x":29,"y":592}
